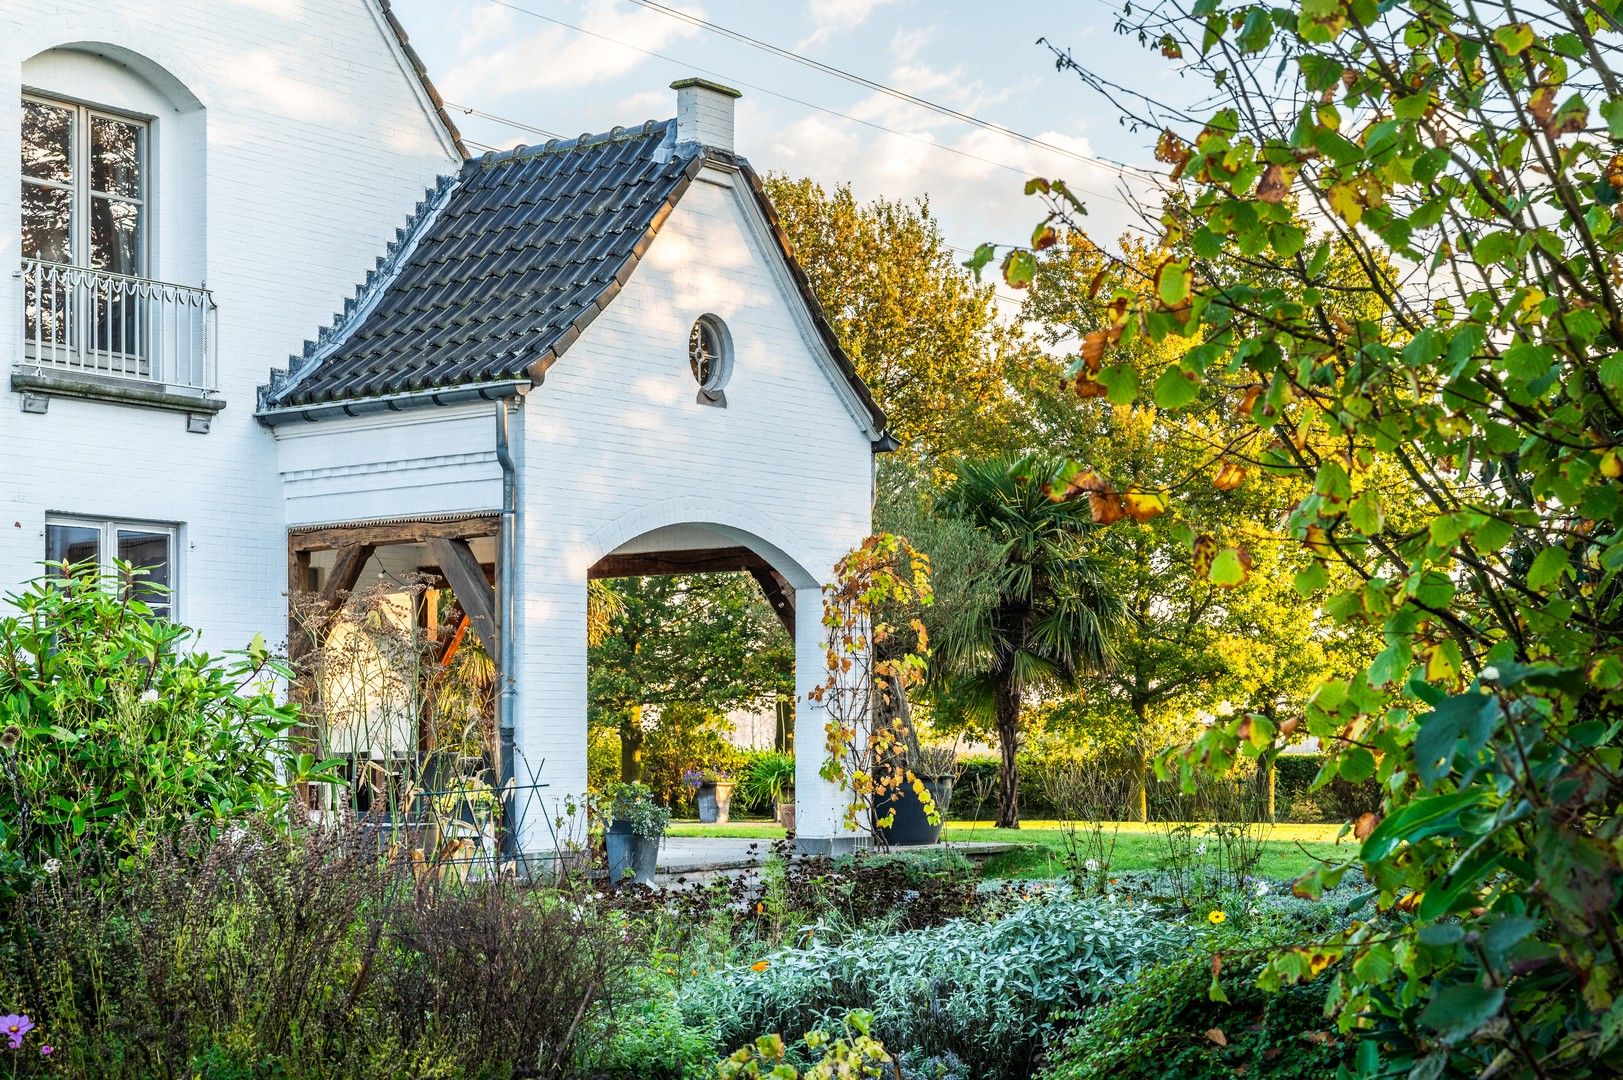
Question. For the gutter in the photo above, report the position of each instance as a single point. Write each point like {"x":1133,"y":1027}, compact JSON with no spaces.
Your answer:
{"x":414,"y":399}
{"x":507,"y":605}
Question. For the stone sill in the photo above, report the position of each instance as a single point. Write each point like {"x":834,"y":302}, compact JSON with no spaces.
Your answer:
{"x":38,"y":387}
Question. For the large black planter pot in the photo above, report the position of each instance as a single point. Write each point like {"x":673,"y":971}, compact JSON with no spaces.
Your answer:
{"x":630,"y":852}
{"x":715,"y":799}
{"x":911,"y":827}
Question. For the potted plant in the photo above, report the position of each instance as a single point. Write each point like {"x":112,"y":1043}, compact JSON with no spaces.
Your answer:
{"x":636,"y":827}
{"x":769,"y":780}
{"x":935,"y":767}
{"x":712,"y":792}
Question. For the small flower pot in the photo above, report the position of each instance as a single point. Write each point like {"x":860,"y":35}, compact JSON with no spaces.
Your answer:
{"x":911,"y":828}
{"x":785,"y":816}
{"x":715,"y":799}
{"x":632,"y":857}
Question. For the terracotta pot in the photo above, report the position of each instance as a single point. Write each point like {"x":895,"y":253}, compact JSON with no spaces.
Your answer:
{"x":786,"y":815}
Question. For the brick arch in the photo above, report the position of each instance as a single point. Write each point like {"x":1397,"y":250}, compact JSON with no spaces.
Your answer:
{"x":144,"y":55}
{"x":739,"y":523}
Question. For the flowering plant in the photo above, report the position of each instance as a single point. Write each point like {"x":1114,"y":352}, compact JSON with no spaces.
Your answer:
{"x":14,"y":1028}
{"x":695,"y":778}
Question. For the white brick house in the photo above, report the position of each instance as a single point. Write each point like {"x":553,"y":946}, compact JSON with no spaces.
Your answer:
{"x":588,"y":358}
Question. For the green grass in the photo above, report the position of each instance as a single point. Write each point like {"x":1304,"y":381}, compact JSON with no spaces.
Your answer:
{"x":1288,"y":850}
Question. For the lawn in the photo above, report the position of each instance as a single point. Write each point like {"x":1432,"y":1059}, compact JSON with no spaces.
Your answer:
{"x":1288,"y":850}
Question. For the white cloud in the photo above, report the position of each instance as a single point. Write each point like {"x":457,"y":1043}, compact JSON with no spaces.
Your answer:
{"x":550,"y":57}
{"x":831,"y":17}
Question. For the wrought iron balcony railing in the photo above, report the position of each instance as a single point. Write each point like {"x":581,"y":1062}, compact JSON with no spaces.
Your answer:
{"x":83,"y":321}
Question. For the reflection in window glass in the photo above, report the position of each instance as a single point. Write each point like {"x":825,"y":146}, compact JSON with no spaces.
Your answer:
{"x":47,"y":142}
{"x":72,"y":544}
{"x":115,"y":235}
{"x":83,"y":187}
{"x":47,"y":223}
{"x":148,"y":551}
{"x":148,"y":548}
{"x":115,"y":157}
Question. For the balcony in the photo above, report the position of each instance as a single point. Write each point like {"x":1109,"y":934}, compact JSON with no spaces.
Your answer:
{"x":89,"y":333}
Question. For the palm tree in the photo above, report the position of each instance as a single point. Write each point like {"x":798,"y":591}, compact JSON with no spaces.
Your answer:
{"x":1050,"y":612}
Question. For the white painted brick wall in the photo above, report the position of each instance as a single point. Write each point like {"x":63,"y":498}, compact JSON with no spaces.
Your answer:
{"x":313,"y":148}
{"x":615,"y":445}
{"x":407,"y":464}
{"x":704,"y":114}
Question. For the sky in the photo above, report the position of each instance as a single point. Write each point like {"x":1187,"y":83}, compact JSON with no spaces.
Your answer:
{"x":977,"y":57}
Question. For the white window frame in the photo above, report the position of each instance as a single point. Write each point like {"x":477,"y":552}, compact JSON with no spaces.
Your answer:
{"x":107,"y":548}
{"x":83,"y":195}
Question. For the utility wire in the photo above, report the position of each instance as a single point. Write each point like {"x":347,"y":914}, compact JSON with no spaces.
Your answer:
{"x":890,"y":91}
{"x":801,"y":102}
{"x":469,"y":110}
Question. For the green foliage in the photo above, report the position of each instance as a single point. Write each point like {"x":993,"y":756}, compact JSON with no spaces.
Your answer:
{"x":1461,"y":431}
{"x":705,"y":641}
{"x":648,"y":1038}
{"x":634,"y":805}
{"x":686,"y":737}
{"x":852,"y":1053}
{"x":925,"y":337}
{"x":1166,"y":1024}
{"x":767,"y":778}
{"x":277,"y":954}
{"x":118,"y":734}
{"x":985,"y":992}
{"x":1300,"y":798}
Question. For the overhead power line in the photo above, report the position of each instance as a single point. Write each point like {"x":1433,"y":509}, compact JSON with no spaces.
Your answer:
{"x":802,"y":102}
{"x":882,"y":88}
{"x":469,"y":110}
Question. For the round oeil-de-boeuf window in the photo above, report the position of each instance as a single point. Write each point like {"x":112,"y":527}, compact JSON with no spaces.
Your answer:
{"x":710,"y":355}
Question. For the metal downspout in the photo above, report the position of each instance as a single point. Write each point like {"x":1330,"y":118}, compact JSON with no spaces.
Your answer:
{"x":508,"y":603}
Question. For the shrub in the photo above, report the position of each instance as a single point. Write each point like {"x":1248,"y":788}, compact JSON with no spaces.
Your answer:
{"x":988,"y":993}
{"x":1340,"y":800}
{"x":792,"y":892}
{"x":116,"y":734}
{"x":275,"y":953}
{"x":650,"y":1039}
{"x":633,"y":805}
{"x":767,"y":778}
{"x":1165,"y":1024}
{"x":853,"y":1053}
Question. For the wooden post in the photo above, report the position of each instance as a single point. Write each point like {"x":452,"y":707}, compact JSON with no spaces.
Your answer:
{"x":473,"y":590}
{"x":778,"y":594}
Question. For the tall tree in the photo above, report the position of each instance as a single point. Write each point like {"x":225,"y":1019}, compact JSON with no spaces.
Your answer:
{"x":921,"y":331}
{"x":1186,"y":644}
{"x":1052,"y":612}
{"x":705,"y":640}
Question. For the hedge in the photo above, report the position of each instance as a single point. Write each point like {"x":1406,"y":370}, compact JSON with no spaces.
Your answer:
{"x":974,"y":796}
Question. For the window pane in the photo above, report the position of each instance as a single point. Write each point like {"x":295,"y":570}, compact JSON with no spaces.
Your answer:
{"x":72,"y":544}
{"x":148,"y":551}
{"x":115,"y":156}
{"x":47,"y":219}
{"x":47,"y":142}
{"x":115,"y":235}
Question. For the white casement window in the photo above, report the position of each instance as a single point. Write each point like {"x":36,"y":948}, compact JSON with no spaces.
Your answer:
{"x":149,"y":547}
{"x":84,"y":187}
